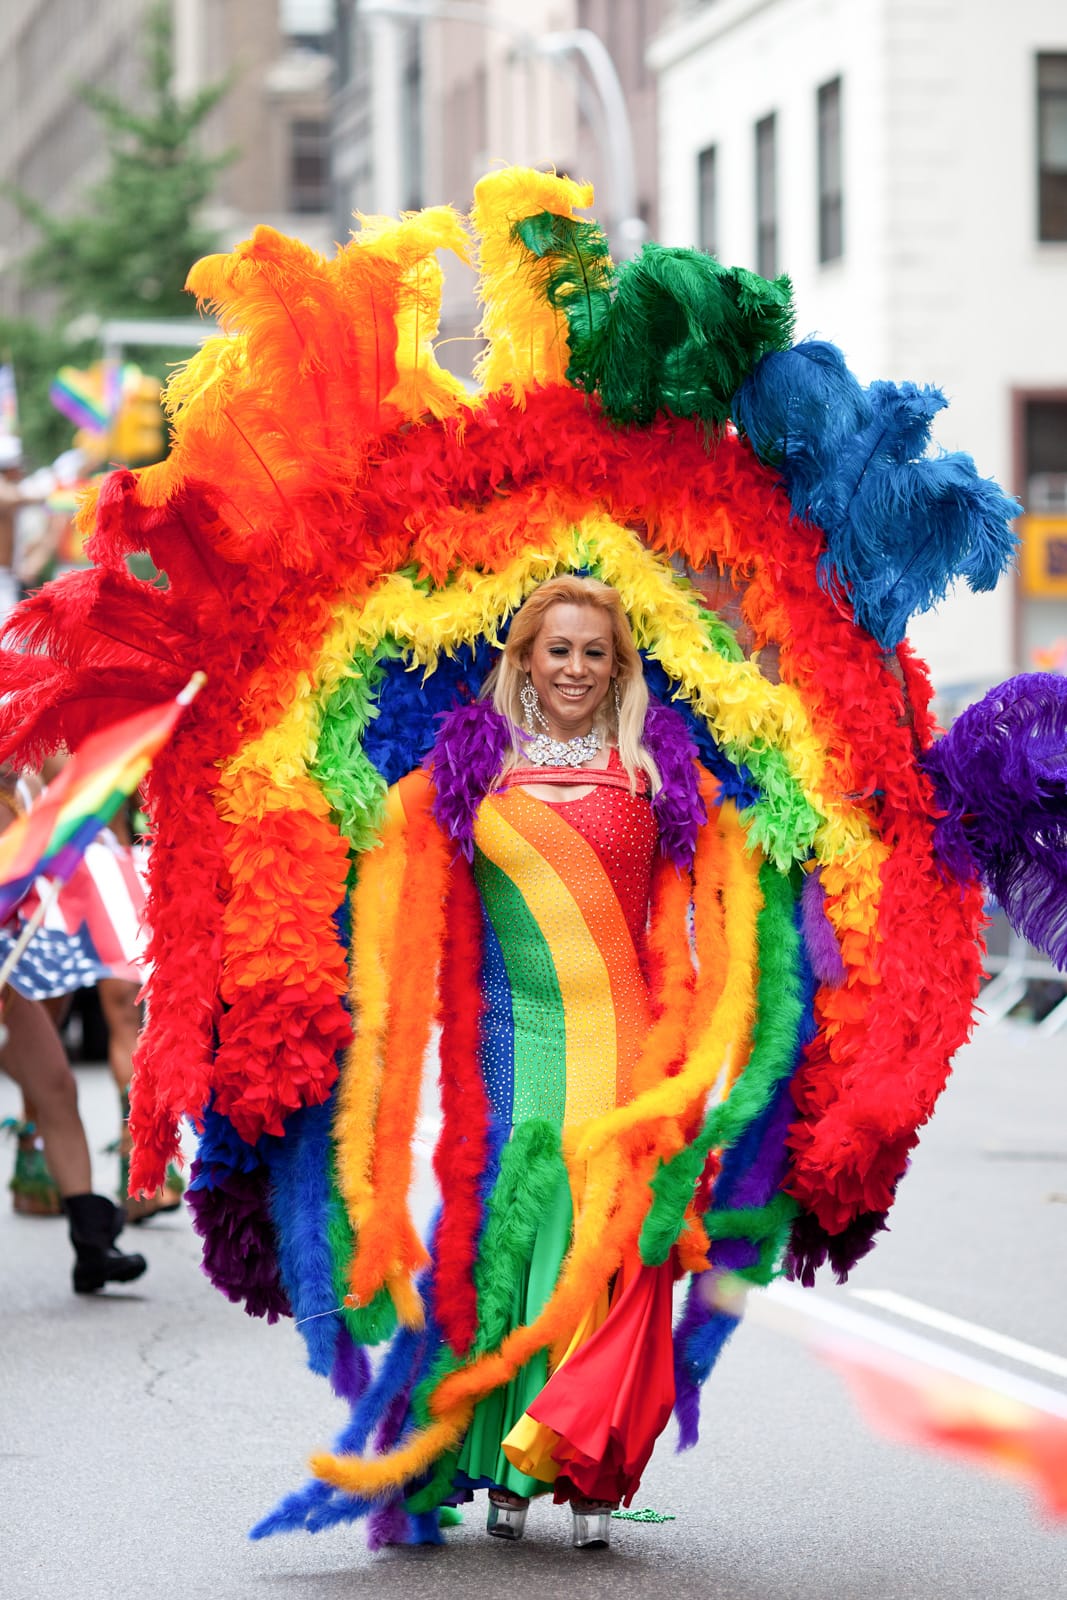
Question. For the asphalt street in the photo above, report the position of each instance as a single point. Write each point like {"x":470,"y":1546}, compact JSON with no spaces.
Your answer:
{"x":142,"y":1433}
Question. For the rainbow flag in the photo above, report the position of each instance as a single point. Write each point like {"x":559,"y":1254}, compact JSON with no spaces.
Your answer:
{"x":85,"y":398}
{"x":921,"y":1406}
{"x":924,"y":1394}
{"x":9,"y":418}
{"x":104,"y":769}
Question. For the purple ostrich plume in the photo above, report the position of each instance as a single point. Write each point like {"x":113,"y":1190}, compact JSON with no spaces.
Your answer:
{"x":1000,"y":776}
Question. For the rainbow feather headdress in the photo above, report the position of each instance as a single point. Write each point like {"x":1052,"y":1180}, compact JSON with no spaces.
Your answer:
{"x":344,"y":532}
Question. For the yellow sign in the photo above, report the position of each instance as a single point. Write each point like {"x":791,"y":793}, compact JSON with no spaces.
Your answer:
{"x":1044,"y":555}
{"x":137,"y":432}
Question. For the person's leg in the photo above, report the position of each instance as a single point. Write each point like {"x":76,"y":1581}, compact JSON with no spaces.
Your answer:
{"x":118,"y":1002}
{"x":34,"y":1057}
{"x":58,"y":1008}
{"x":34,"y":1191}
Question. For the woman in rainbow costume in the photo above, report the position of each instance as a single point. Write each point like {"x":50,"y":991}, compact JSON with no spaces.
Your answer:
{"x":695,"y":994}
{"x":566,"y":863}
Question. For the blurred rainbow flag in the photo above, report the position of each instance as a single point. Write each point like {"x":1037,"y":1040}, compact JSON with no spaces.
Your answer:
{"x":924,"y":1394}
{"x":91,"y":398}
{"x":105,"y":768}
{"x":1007,"y":1433}
{"x":9,"y":420}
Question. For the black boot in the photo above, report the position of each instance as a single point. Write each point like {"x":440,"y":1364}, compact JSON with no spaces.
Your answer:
{"x":95,"y":1224}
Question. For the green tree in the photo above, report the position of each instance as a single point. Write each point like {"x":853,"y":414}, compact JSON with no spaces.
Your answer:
{"x":127,"y":250}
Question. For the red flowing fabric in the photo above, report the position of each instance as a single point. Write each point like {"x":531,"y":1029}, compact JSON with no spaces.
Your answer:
{"x":610,"y":1401}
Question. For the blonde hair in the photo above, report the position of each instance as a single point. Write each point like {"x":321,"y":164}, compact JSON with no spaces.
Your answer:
{"x":508,"y":676}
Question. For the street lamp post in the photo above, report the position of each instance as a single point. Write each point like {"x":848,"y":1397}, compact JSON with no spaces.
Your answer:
{"x":626,"y":229}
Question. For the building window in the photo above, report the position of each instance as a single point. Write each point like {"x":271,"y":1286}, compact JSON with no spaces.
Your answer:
{"x":831,"y":204}
{"x":766,"y":198}
{"x":707,"y":202}
{"x":1052,"y":146}
{"x":1043,"y":528}
{"x":309,"y":165}
{"x":1045,"y":448}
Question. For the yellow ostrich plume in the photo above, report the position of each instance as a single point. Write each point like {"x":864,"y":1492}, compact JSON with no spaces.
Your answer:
{"x":527,"y":337}
{"x":422,"y":385}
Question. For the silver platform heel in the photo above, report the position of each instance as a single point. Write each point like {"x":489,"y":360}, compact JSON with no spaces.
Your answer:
{"x":592,"y":1529}
{"x":506,"y":1522}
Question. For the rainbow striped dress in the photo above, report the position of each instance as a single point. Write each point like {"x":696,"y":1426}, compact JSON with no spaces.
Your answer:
{"x":565,"y":889}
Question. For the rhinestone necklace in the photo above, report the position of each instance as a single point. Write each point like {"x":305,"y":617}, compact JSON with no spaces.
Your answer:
{"x":546,"y":752}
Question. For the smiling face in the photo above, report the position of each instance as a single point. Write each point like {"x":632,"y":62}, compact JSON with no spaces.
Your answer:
{"x":571,"y":664}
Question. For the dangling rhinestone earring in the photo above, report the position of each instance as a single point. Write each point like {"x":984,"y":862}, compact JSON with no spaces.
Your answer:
{"x":618,"y":700}
{"x":531,"y":705}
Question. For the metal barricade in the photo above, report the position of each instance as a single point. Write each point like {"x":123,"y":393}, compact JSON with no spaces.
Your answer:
{"x":1013,"y":971}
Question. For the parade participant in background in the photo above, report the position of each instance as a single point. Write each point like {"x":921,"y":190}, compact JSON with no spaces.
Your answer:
{"x":11,"y":501}
{"x":33,"y":1055}
{"x":346,"y":535}
{"x":95,"y":925}
{"x":48,"y":543}
{"x":105,"y":769}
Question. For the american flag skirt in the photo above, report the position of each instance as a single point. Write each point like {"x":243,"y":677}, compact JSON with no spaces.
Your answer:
{"x":95,"y":928}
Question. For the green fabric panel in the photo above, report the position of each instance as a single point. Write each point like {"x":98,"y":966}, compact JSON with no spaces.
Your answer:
{"x":539,"y":1027}
{"x":532,"y":1172}
{"x":495,"y":1416}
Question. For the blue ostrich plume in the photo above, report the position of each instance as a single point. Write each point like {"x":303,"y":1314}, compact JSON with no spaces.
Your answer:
{"x":901,"y":525}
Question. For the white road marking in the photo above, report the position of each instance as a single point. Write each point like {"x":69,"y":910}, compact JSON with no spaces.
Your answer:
{"x":1001,"y":1343}
{"x":830,"y":1324}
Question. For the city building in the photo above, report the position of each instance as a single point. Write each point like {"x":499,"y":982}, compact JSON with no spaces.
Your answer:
{"x":433,"y":93}
{"x":275,"y":115}
{"x":905,"y":161}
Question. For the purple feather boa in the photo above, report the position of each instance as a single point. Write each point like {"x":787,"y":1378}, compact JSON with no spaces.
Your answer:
{"x":469,"y":752}
{"x":704,"y":1328}
{"x":1000,"y":775}
{"x":758,"y":1185}
{"x":820,"y":940}
{"x":700,"y":1335}
{"x":240,"y":1248}
{"x":351,"y":1371}
{"x":678,"y":808}
{"x":687,"y":1384}
{"x":810,"y":1246}
{"x":389,"y":1524}
{"x":474,"y":743}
